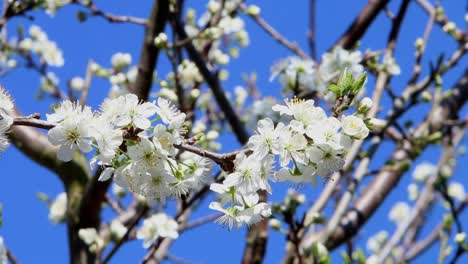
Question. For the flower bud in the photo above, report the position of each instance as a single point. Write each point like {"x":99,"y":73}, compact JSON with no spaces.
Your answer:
{"x":275,"y":224}
{"x":375,"y":123}
{"x":253,"y":10}
{"x":160,"y":41}
{"x":118,"y":191}
{"x":195,"y":93}
{"x":77,"y":83}
{"x":446,"y":171}
{"x":212,"y":135}
{"x":413,"y":191}
{"x":449,"y":27}
{"x":426,"y":96}
{"x":460,"y":238}
{"x":213,"y":6}
{"x":223,"y":75}
{"x":365,"y":105}
{"x":419,"y":44}
{"x":11,"y":63}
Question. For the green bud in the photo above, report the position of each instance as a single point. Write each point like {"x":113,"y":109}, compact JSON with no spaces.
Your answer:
{"x":426,"y":96}
{"x":81,"y":16}
{"x":448,"y":221}
{"x":435,"y":137}
{"x":359,"y":83}
{"x":275,"y":224}
{"x":42,"y":197}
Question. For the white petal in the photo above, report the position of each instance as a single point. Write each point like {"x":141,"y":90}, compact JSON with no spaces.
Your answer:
{"x":106,"y":174}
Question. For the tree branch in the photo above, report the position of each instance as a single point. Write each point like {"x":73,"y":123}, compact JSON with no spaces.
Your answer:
{"x":149,"y":51}
{"x":362,"y":22}
{"x":277,"y":36}
{"x":213,"y":82}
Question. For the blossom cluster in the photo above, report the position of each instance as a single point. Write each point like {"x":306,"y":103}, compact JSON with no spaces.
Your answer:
{"x":308,"y":144}
{"x":299,"y":74}
{"x":223,"y":36}
{"x":39,"y":43}
{"x":139,"y":152}
{"x":51,"y":6}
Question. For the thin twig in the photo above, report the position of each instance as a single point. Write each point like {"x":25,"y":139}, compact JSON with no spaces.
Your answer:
{"x":87,"y":83}
{"x":94,"y":11}
{"x":277,"y":36}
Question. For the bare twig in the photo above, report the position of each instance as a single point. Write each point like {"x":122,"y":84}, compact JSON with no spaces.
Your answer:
{"x":424,"y":244}
{"x":211,"y":78}
{"x":311,"y":34}
{"x":94,"y":11}
{"x":362,"y":22}
{"x":277,"y":36}
{"x":87,"y":83}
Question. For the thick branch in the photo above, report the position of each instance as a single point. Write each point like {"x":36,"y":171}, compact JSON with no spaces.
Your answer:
{"x":360,"y":25}
{"x":149,"y":52}
{"x":213,"y":82}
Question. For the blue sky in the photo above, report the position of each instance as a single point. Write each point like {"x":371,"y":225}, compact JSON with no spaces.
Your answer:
{"x":27,"y":230}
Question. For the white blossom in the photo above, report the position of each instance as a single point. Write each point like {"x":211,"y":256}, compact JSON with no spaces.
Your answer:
{"x":376,"y":242}
{"x":77,"y":83}
{"x":460,"y":238}
{"x":58,"y":208}
{"x":399,"y":213}
{"x":423,"y":171}
{"x":40,"y":44}
{"x":135,"y":113}
{"x":120,"y":60}
{"x":117,"y":229}
{"x":188,"y":74}
{"x":91,"y":238}
{"x":158,"y":225}
{"x":266,"y":139}
{"x":73,"y":130}
{"x":335,"y":62}
{"x":53,"y":5}
{"x":354,"y":126}
{"x":71,"y":135}
{"x":295,"y":73}
{"x":246,"y":176}
{"x":456,"y":191}
{"x":390,"y":65}
{"x":413,"y":191}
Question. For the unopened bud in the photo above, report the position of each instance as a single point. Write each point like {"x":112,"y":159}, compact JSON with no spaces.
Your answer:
{"x":449,"y":27}
{"x":426,"y":96}
{"x":253,"y":10}
{"x":365,"y":104}
{"x":213,"y":6}
{"x":460,"y":238}
{"x":419,"y":44}
{"x":161,"y":40}
{"x":275,"y":224}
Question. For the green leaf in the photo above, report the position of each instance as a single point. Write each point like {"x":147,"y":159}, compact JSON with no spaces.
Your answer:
{"x":335,"y":89}
{"x":1,"y":215}
{"x":346,"y":258}
{"x":81,"y":16}
{"x":325,"y":260}
{"x":359,"y":83}
{"x":359,"y":256}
